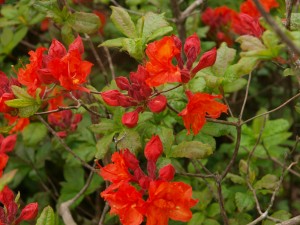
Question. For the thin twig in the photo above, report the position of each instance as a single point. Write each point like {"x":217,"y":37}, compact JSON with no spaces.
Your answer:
{"x":218,"y":179}
{"x":246,"y":96}
{"x":197,"y":175}
{"x":109,"y":58}
{"x":105,"y":210}
{"x":66,"y":147}
{"x":276,"y":28}
{"x":64,"y":208}
{"x":189,"y":10}
{"x":289,"y":9}
{"x":273,"y":110}
{"x":293,"y":221}
{"x":97,"y":57}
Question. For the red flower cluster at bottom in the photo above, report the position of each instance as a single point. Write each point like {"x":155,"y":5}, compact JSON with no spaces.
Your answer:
{"x":165,"y":199}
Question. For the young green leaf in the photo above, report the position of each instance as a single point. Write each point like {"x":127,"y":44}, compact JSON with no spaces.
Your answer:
{"x":192,"y":150}
{"x":47,"y":217}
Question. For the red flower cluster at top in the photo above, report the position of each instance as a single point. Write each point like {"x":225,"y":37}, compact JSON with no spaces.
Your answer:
{"x":8,"y":213}
{"x":160,"y":70}
{"x":223,"y":20}
{"x":139,"y":94}
{"x":165,"y":199}
{"x":59,"y":66}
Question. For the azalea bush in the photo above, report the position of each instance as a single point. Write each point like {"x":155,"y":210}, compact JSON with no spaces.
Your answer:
{"x":149,"y":112}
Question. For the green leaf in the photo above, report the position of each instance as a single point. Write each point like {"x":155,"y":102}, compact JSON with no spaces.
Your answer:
{"x":6,"y":178}
{"x":6,"y":129}
{"x":34,"y":133}
{"x":105,"y":126}
{"x":250,"y":43}
{"x":213,"y":210}
{"x":259,"y":122}
{"x":20,"y":92}
{"x":280,"y":214}
{"x":85,"y":22}
{"x":113,"y":43}
{"x":192,"y":150}
{"x":167,"y":137}
{"x":225,"y":57}
{"x":130,"y":139}
{"x":47,"y":217}
{"x":154,"y":26}
{"x":123,"y":22}
{"x":210,"y":222}
{"x":268,"y":181}
{"x":28,"y":111}
{"x":197,"y":219}
{"x":217,"y":129}
{"x":234,"y":85}
{"x":6,"y":36}
{"x":134,"y":48}
{"x":67,"y":34}
{"x":244,"y":201}
{"x":236,"y":179}
{"x":19,"y":34}
{"x":243,"y":168}
{"x":103,"y":145}
{"x":20,"y":103}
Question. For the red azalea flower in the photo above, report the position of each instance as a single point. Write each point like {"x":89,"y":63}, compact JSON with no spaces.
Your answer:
{"x":169,"y":200}
{"x":9,"y":215}
{"x":244,"y":24}
{"x":3,"y":162}
{"x":125,"y":201}
{"x":116,"y":171}
{"x":199,"y":106}
{"x":18,"y":123}
{"x":160,"y":67}
{"x":139,"y":94}
{"x":7,"y":144}
{"x":6,"y":92}
{"x":249,"y":7}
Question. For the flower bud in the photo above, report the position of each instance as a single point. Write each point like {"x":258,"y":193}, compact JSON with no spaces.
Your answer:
{"x":178,"y":57}
{"x":167,"y":173}
{"x":8,"y":143}
{"x":5,"y":97}
{"x":192,"y":49}
{"x":185,"y":76}
{"x":130,"y":119}
{"x":206,"y":60}
{"x":111,"y":97}
{"x":154,"y":148}
{"x":130,"y":160}
{"x":122,"y":83}
{"x":158,"y":104}
{"x":28,"y":213}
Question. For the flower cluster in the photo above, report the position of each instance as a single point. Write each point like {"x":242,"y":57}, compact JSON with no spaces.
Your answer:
{"x":223,"y":20}
{"x":159,"y":70}
{"x":9,"y":211}
{"x":134,"y":195}
{"x":139,"y":95}
{"x":59,"y":66}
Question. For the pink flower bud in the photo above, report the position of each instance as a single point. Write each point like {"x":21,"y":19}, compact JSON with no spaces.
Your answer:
{"x":122,"y":83}
{"x":130,"y":119}
{"x":158,"y":104}
{"x":192,"y":49}
{"x":28,"y":213}
{"x":206,"y":60}
{"x":154,"y":148}
{"x":167,"y":173}
{"x":178,"y":57}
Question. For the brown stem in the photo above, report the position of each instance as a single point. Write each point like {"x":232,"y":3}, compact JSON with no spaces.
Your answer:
{"x":276,"y":28}
{"x":221,"y":200}
{"x":179,"y":21}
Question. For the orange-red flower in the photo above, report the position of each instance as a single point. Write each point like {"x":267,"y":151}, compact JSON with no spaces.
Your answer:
{"x":198,"y":107}
{"x":249,"y":7}
{"x":160,"y":67}
{"x":125,"y":201}
{"x":169,"y":200}
{"x":3,"y":162}
{"x":18,"y":123}
{"x":116,"y":171}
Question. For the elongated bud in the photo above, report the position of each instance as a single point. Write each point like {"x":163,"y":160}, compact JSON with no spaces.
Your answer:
{"x":158,"y":104}
{"x":206,"y":60}
{"x":28,"y":213}
{"x":123,"y":83}
{"x":57,"y":49}
{"x":154,"y":148}
{"x":185,"y":76}
{"x":192,"y":49}
{"x":167,"y":173}
{"x":178,"y":57}
{"x":8,"y":143}
{"x":130,"y":119}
